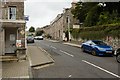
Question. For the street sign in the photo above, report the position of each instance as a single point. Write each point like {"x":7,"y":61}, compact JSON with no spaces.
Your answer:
{"x":22,"y":32}
{"x":18,"y":43}
{"x":26,"y":18}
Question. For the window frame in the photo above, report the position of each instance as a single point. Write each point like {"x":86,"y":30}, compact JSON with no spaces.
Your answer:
{"x":13,"y":12}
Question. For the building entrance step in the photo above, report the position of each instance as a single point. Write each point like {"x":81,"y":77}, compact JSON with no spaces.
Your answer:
{"x":8,"y":58}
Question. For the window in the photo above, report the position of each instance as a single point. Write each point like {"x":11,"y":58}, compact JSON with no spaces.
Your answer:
{"x":4,"y":1}
{"x":12,"y":13}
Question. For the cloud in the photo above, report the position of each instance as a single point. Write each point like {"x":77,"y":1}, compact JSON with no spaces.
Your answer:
{"x":100,"y":0}
{"x":50,"y":0}
{"x":42,"y":13}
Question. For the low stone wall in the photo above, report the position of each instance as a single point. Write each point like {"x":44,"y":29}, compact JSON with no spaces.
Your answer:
{"x":114,"y":42}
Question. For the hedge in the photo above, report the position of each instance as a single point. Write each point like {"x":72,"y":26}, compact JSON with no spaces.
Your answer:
{"x":97,"y":32}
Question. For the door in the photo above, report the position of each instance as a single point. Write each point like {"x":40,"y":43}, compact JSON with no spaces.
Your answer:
{"x":10,"y":40}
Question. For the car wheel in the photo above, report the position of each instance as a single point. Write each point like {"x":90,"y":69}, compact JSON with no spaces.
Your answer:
{"x":94,"y":52}
{"x":82,"y":48}
{"x":118,"y":58}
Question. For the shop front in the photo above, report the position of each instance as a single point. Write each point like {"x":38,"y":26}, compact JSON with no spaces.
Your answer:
{"x":14,"y":38}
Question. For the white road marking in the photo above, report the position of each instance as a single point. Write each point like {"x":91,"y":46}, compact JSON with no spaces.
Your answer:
{"x":67,"y":53}
{"x":53,"y":47}
{"x":70,"y":76}
{"x":21,"y":77}
{"x":102,"y":69}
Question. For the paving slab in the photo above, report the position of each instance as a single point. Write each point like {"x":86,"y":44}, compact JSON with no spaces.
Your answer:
{"x":38,"y":56}
{"x":11,"y":67}
{"x":15,"y":69}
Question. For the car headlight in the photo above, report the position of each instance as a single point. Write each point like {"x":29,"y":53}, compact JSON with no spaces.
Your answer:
{"x":101,"y":49}
{"x":111,"y":48}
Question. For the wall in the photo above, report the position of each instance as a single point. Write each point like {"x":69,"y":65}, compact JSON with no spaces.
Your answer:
{"x":56,"y":27}
{"x":114,"y":42}
{"x":2,"y":41}
{"x":12,"y":26}
{"x":19,"y":12}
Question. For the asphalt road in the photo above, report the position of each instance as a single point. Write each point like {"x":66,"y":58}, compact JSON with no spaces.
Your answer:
{"x":71,"y":62}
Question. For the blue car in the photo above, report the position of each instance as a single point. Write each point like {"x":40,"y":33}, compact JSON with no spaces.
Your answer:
{"x":97,"y":47}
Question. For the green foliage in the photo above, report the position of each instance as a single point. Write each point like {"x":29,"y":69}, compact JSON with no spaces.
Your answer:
{"x":48,"y":36}
{"x":39,"y":33}
{"x":92,"y":35}
{"x":99,"y":21}
{"x":92,"y":13}
{"x":115,"y":33}
{"x":107,"y":18}
{"x":75,"y":33}
{"x":97,"y":32}
{"x":92,"y":16}
{"x":31,"y":29}
{"x":82,"y":9}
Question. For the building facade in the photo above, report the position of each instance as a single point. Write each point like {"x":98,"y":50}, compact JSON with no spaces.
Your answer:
{"x":59,"y":28}
{"x":12,"y":26}
{"x":56,"y":27}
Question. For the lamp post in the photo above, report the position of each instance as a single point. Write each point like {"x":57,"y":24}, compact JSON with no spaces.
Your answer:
{"x":68,"y":26}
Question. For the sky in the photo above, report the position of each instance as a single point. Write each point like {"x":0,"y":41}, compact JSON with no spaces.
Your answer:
{"x":42,"y":12}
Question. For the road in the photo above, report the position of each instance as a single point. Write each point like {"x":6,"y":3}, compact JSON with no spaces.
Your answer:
{"x":71,"y":62}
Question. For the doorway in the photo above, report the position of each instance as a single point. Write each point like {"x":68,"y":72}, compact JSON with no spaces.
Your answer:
{"x":10,"y":40}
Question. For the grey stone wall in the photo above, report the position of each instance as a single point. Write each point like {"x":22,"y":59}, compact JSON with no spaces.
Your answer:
{"x":19,"y":12}
{"x":18,"y":23}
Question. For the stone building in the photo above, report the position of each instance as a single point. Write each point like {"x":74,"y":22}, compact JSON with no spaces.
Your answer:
{"x":56,"y":27}
{"x":12,"y":26}
{"x":60,"y":27}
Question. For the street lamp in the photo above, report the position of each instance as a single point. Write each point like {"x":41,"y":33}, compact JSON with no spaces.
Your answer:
{"x":68,"y":24}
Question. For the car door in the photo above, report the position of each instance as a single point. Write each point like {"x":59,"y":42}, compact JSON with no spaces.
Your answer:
{"x":87,"y":46}
{"x":90,"y":46}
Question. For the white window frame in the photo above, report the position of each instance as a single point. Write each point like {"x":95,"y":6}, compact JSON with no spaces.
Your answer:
{"x":12,"y":13}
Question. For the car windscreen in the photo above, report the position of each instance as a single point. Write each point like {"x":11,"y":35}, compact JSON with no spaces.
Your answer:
{"x":99,"y":43}
{"x":29,"y":37}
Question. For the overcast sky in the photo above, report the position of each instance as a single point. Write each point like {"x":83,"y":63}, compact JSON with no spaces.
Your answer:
{"x":41,"y":12}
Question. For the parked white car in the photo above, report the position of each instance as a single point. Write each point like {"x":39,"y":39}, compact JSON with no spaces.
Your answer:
{"x":38,"y":38}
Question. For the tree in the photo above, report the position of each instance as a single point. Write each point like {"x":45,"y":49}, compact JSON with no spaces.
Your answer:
{"x":92,"y":13}
{"x":81,"y":10}
{"x":31,"y":29}
{"x":39,"y":33}
{"x":93,"y":16}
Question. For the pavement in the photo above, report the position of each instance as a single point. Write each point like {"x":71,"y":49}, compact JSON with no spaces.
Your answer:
{"x":39,"y":58}
{"x":12,"y":68}
{"x":72,"y":44}
{"x":36,"y":58}
{"x":15,"y":69}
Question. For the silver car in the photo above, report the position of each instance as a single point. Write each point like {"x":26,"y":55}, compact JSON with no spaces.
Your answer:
{"x":30,"y":39}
